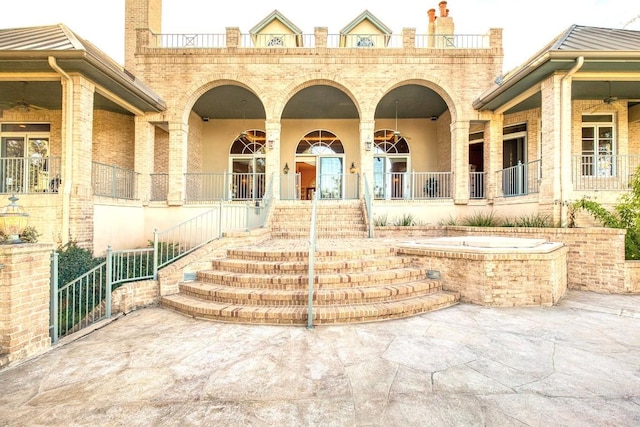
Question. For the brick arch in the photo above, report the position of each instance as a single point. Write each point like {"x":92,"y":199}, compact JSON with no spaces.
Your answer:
{"x":438,"y":87}
{"x":199,"y":87}
{"x":298,"y":84}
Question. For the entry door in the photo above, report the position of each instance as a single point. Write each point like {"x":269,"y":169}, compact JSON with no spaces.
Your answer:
{"x":389,"y":177}
{"x":330,"y":177}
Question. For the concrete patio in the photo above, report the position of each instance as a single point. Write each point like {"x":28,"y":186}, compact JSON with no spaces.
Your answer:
{"x":574,"y":364}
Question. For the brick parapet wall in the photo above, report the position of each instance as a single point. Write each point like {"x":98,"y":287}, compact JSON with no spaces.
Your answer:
{"x":595,"y":259}
{"x":24,"y":300}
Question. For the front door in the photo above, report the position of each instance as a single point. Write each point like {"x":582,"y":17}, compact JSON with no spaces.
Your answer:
{"x":330,"y":174}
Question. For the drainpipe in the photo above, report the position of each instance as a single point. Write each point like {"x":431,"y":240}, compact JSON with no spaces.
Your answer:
{"x":563,"y":96}
{"x":68,"y":144}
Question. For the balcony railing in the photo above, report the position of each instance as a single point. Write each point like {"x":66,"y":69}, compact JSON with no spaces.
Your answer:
{"x":604,"y":172}
{"x":25,"y":175}
{"x":476,"y":185}
{"x":209,"y":187}
{"x":520,"y":180}
{"x":113,"y":181}
{"x":413,"y":185}
{"x":217,"y":41}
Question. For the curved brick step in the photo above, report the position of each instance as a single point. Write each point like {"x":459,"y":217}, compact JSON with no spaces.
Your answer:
{"x":328,"y":280}
{"x":280,"y":297}
{"x":235,"y":265}
{"x":261,"y":254}
{"x":297,"y":315}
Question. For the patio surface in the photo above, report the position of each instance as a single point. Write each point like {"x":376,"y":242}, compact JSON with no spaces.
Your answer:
{"x":576,"y":364}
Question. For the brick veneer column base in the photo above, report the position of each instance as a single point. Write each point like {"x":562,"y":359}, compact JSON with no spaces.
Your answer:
{"x":24,"y":301}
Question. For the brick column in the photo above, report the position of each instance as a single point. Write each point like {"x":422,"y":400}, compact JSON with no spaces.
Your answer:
{"x":178,"y":144}
{"x":24,"y":301}
{"x":493,"y":155}
{"x":408,"y":38}
{"x":460,"y":161}
{"x":273,"y":159}
{"x":552,"y":158}
{"x":144,"y":156}
{"x":233,"y":37}
{"x":81,"y":190}
{"x":367,"y":128}
{"x":320,"y":34}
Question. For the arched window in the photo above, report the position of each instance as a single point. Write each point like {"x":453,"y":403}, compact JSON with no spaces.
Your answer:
{"x":249,"y":142}
{"x":389,"y":142}
{"x":320,"y":142}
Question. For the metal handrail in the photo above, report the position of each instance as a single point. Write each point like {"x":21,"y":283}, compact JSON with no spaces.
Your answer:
{"x":368,"y":202}
{"x":312,"y":258}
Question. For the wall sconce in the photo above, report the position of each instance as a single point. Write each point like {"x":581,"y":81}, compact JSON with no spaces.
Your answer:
{"x":286,"y":168}
{"x":13,"y":220}
{"x":353,"y":169}
{"x":368,"y":144}
{"x":270,"y":144}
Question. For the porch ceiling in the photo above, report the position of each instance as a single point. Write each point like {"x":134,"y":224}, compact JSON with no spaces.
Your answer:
{"x":320,"y":102}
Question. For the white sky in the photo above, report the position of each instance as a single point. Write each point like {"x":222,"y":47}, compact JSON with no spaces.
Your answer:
{"x":527,"y":26}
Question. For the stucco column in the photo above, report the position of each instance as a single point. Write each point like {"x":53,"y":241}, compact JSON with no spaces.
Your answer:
{"x":367,"y":128}
{"x":178,"y":149}
{"x":492,"y":155}
{"x":460,"y":161}
{"x":273,"y":157}
{"x":554,"y":143}
{"x":79,"y":189}
{"x":144,"y":156}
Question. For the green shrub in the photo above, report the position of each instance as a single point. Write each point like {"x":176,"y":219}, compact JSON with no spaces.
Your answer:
{"x":74,"y":261}
{"x":380,"y":221}
{"x":451,"y":221}
{"x":480,"y":219}
{"x":534,"y":220}
{"x":406,"y":220}
{"x":29,"y":235}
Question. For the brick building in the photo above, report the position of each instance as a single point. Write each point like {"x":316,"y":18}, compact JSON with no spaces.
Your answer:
{"x":423,"y":121}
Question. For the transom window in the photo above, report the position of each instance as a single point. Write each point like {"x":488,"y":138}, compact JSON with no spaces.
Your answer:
{"x":249,"y":142}
{"x":320,"y":142}
{"x":365,"y":41}
{"x":276,"y":41}
{"x":388,"y":141}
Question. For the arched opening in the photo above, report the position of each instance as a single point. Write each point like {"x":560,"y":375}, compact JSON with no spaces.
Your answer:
{"x":391,"y":162}
{"x":247,"y":164}
{"x":320,"y":164}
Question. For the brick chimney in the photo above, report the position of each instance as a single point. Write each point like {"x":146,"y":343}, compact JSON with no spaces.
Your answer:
{"x":444,"y":23}
{"x":431,"y":29}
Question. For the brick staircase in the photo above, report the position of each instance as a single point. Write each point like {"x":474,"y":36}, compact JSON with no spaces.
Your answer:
{"x":355,"y":281}
{"x":335,"y":219}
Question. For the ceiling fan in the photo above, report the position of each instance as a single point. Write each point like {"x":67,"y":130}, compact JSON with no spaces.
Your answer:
{"x":609,"y":100}
{"x":22,"y":105}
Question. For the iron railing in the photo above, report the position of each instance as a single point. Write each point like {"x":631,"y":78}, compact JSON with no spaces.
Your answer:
{"x":604,"y":172}
{"x":520,"y":180}
{"x":312,"y":262}
{"x":275,"y":40}
{"x":113,"y":181}
{"x":413,"y":185}
{"x":27,"y":175}
{"x":210,"y":187}
{"x":476,"y":185}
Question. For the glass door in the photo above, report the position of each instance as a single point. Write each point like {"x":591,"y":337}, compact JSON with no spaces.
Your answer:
{"x":330,"y":174}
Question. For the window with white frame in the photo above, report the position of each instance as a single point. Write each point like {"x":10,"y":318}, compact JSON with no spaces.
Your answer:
{"x":598,"y":145}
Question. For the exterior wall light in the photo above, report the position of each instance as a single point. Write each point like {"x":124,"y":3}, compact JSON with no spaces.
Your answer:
{"x":286,"y":168}
{"x":353,"y":168}
{"x":368,"y":144}
{"x":13,"y":220}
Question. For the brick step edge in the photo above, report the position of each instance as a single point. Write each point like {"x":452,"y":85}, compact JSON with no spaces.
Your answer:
{"x":297,"y":297}
{"x":296,"y":315}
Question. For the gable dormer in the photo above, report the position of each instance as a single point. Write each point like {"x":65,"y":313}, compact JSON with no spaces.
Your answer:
{"x":276,"y":31}
{"x":365,"y":31}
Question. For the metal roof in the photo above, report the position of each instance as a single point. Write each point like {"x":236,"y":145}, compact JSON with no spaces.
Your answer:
{"x":366,"y":15}
{"x":26,"y":50}
{"x":275,"y":15}
{"x":605,"y":50}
